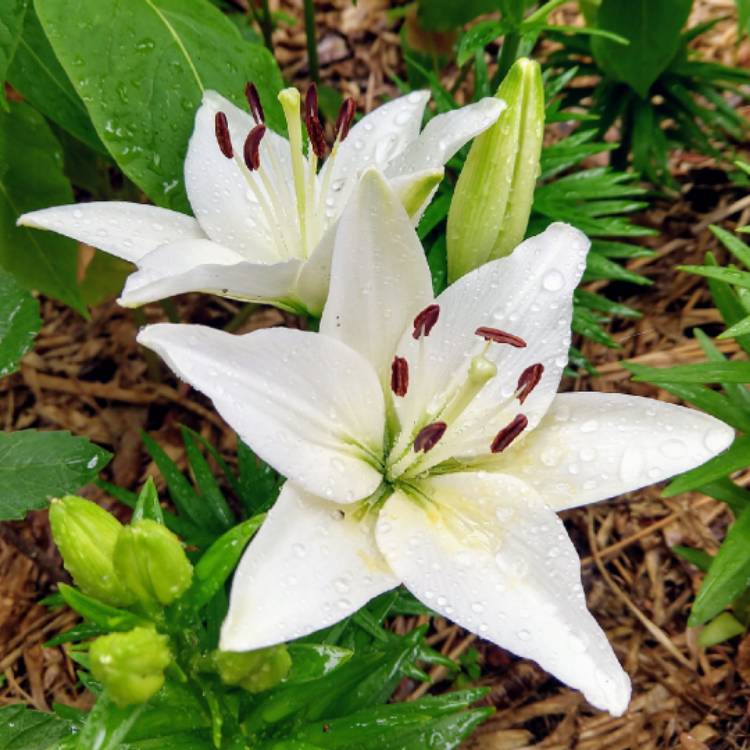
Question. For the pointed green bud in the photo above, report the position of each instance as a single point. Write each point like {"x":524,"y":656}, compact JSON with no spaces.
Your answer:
{"x":86,"y":536}
{"x":254,"y":671}
{"x":150,"y":561}
{"x":130,"y":665}
{"x":492,"y":202}
{"x":415,"y":190}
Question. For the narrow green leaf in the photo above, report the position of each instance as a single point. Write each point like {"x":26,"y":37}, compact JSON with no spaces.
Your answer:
{"x":36,"y":466}
{"x":103,"y":615}
{"x":720,"y":629}
{"x":31,"y":177}
{"x":727,"y":275}
{"x":737,"y":456}
{"x":142,"y":99}
{"x":311,"y":661}
{"x":702,"y":560}
{"x":724,"y":489}
{"x":19,"y":322}
{"x":729,"y":573}
{"x":148,"y":506}
{"x":107,"y":725}
{"x":708,"y":372}
{"x":738,"y":393}
{"x":741,"y":328}
{"x":259,"y":483}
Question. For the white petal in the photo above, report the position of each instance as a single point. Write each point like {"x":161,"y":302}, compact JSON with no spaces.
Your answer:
{"x":315,"y":274}
{"x":374,"y":141}
{"x":380,"y":278}
{"x":219,"y":188}
{"x":308,"y":567}
{"x":305,"y":403}
{"x":591,"y":446}
{"x":415,"y":191}
{"x":204,"y":266}
{"x":127,"y":230}
{"x":528,"y":294}
{"x":492,"y":558}
{"x":445,"y":134}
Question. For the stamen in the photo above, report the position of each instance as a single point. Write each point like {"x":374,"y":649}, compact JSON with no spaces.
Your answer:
{"x":399,"y":376}
{"x":253,"y":99}
{"x":428,"y":437}
{"x":509,"y":433}
{"x":500,"y":337}
{"x":425,"y":321}
{"x":221,"y":127}
{"x":312,"y":123}
{"x":529,"y":380}
{"x":345,"y":118}
{"x":251,"y":151}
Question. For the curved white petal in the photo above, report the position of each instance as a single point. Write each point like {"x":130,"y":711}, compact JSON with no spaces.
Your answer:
{"x":219,"y":189}
{"x":528,"y":294}
{"x":307,"y":404}
{"x":315,"y":274}
{"x":591,"y":446}
{"x":492,"y":558}
{"x":126,"y":230}
{"x":380,"y":278}
{"x":308,"y":567}
{"x":204,"y":266}
{"x":374,"y":141}
{"x":445,"y":134}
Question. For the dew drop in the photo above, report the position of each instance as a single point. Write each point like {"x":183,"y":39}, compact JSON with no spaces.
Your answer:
{"x":553,"y":281}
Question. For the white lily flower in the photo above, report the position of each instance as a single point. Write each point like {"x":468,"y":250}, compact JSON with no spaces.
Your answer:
{"x":424,"y":444}
{"x":264,"y":216}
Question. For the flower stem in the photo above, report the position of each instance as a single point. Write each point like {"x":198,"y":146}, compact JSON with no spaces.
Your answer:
{"x":312,"y":42}
{"x":507,"y":58}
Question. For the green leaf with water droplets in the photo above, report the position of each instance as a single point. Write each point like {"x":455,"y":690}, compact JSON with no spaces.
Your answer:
{"x":12,"y":13}
{"x":141,"y":68}
{"x":19,"y":322}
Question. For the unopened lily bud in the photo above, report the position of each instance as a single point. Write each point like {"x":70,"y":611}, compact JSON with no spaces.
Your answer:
{"x":150,"y":561}
{"x":492,"y":201}
{"x":130,"y":665}
{"x":254,"y":671}
{"x":86,"y":536}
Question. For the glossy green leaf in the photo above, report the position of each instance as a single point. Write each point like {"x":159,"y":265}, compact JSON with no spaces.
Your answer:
{"x":737,"y":456}
{"x":36,"y":73}
{"x":21,"y":728}
{"x":311,"y":661}
{"x":12,"y":13}
{"x":729,"y":573}
{"x":107,"y":725}
{"x":259,"y":483}
{"x":653,"y":29}
{"x":19,"y":322}
{"x":141,"y":68}
{"x":31,"y":177}
{"x":100,"y":614}
{"x":36,"y":466}
{"x":147,"y":505}
{"x":735,"y":245}
{"x":727,"y":275}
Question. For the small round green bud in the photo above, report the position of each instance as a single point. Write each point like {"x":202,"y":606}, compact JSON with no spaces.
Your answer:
{"x":86,"y":536}
{"x":130,"y":665}
{"x":150,"y":561}
{"x":482,"y":369}
{"x":254,"y":671}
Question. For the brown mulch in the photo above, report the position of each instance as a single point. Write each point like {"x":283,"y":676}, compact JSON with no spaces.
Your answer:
{"x":92,"y":379}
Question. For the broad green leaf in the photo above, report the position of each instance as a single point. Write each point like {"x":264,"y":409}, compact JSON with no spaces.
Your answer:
{"x":442,"y":15}
{"x":35,"y":466}
{"x":141,"y":68}
{"x":104,"y":278}
{"x":12,"y":13}
{"x":729,"y":573}
{"x":36,"y":73}
{"x":19,"y":322}
{"x":21,"y":728}
{"x":653,"y":29}
{"x":736,"y":457}
{"x":31,"y":177}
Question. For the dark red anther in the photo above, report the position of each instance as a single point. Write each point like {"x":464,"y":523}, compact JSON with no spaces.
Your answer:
{"x":312,"y":123}
{"x":509,"y":433}
{"x":253,"y":99}
{"x":345,"y":118}
{"x":251,"y":151}
{"x":399,"y":376}
{"x":221,"y":126}
{"x":425,"y":321}
{"x":500,"y":337}
{"x":428,"y":437}
{"x":529,"y":380}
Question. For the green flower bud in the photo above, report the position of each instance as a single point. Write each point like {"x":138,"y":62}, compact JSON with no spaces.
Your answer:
{"x":254,"y":671}
{"x":86,"y":536}
{"x":492,"y":202}
{"x":130,"y":665}
{"x":150,"y":561}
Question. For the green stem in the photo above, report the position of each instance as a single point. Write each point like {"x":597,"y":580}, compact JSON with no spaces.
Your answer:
{"x":241,"y":316}
{"x":264,"y":21}
{"x":312,"y":42}
{"x":170,"y":310}
{"x":507,"y":58}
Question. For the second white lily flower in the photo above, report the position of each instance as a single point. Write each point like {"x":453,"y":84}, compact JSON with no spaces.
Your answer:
{"x":425,"y":444}
{"x":264,"y":217}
